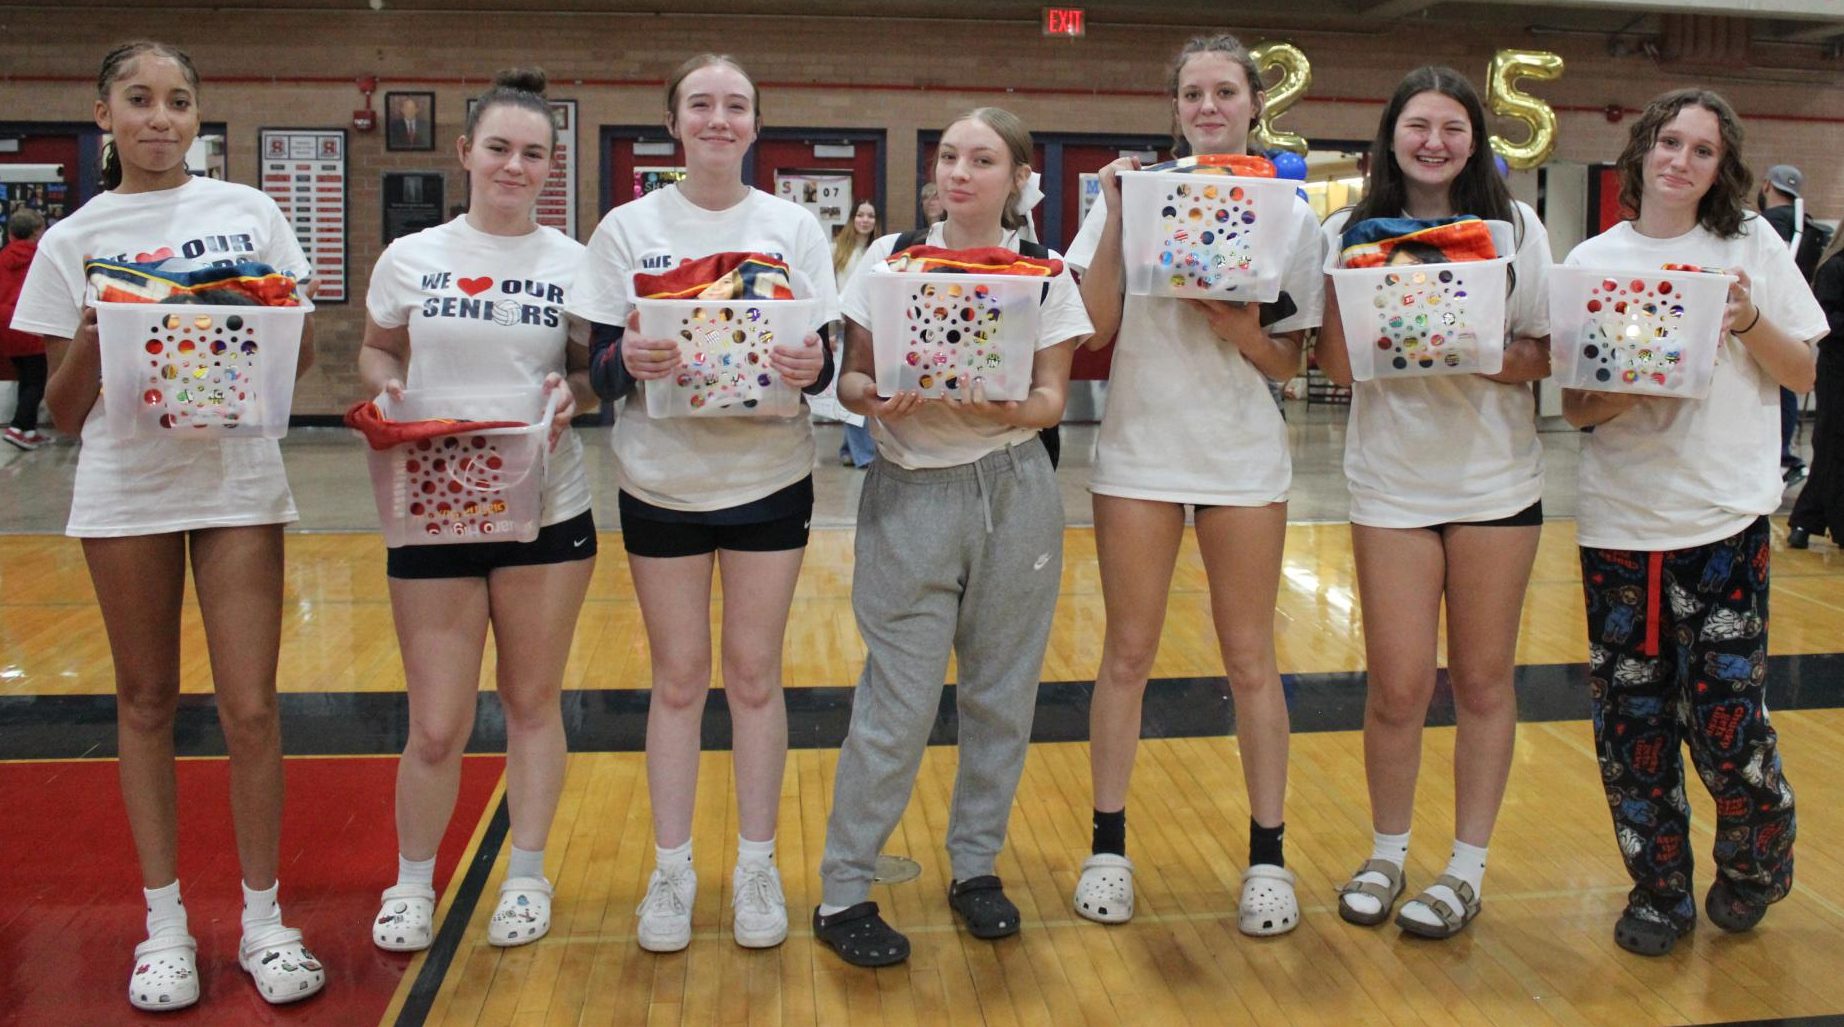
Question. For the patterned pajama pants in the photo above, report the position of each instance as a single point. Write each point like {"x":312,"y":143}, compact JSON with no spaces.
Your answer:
{"x":1677,"y":646}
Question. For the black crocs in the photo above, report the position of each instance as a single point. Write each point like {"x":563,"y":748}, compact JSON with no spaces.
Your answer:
{"x":1646,"y":936}
{"x":1730,"y":911}
{"x":860,"y":936}
{"x":981,"y":902}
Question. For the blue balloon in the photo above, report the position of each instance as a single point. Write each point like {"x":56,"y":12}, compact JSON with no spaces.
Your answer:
{"x":1504,"y":168}
{"x":1288,"y":164}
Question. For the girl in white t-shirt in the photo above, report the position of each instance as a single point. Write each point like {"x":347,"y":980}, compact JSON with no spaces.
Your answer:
{"x":141,"y":505}
{"x":1190,"y":421}
{"x":479,"y":303}
{"x":959,"y":551}
{"x":734,"y":494}
{"x":1446,"y":478}
{"x":857,"y":449}
{"x":1675,"y":542}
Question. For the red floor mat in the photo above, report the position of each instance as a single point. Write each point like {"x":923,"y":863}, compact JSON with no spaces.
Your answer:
{"x":71,"y":909}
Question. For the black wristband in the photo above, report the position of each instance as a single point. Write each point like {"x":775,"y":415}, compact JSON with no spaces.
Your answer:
{"x":1751,"y":324}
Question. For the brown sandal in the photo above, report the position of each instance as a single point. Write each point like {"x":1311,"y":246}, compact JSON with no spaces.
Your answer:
{"x":1453,"y":921}
{"x":1386,"y":895}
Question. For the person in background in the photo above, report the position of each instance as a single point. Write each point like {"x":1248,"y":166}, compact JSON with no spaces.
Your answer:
{"x":1776,"y":202}
{"x":857,"y":449}
{"x":1820,"y":507}
{"x":934,"y":208}
{"x":24,"y":349}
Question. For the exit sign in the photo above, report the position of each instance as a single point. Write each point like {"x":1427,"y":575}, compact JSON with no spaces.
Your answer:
{"x":1063,"y":21}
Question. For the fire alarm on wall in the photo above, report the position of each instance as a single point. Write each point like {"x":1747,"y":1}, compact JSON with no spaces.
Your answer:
{"x":364,"y":120}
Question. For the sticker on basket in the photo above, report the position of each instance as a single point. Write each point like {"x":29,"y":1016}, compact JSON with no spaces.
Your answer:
{"x":201,"y":371}
{"x":952,"y":329}
{"x":724,"y":357}
{"x":1421,"y":322}
{"x":1206,"y":234}
{"x":455,"y":485}
{"x":1634,"y":333}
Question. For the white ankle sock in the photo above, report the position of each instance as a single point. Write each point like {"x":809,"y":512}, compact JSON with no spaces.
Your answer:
{"x":670,"y":859}
{"x":826,"y":910}
{"x":416,"y":871}
{"x":260,"y":910}
{"x":754,"y":852}
{"x":165,"y":912}
{"x":1467,"y":864}
{"x":1393,"y":848}
{"x":525,"y":863}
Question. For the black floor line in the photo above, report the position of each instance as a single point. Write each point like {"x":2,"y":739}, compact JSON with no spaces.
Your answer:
{"x":615,"y":720}
{"x":454,"y":926}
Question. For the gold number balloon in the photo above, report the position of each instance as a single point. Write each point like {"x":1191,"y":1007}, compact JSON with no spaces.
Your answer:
{"x":1503,"y":96}
{"x":1296,"y":74}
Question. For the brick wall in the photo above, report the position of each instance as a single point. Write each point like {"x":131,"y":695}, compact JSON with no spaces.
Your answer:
{"x":825,"y":72}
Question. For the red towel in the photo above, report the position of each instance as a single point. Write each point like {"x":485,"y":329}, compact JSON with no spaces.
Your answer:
{"x":720,"y":276}
{"x":986,"y":260}
{"x":382,"y":433}
{"x":1237,"y":164}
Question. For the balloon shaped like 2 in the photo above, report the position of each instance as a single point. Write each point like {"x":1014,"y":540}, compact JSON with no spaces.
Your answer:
{"x":1296,"y":75}
{"x":1505,"y":99}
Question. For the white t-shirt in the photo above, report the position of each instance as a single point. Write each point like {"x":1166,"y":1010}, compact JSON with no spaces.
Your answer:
{"x":1454,"y":447}
{"x":1677,"y":473}
{"x":486,"y":311}
{"x":149,"y":486}
{"x":939,"y":435}
{"x":702,"y":463}
{"x":1189,"y":419}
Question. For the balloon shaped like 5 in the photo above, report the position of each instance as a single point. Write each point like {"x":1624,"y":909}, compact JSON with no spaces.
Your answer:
{"x":1503,"y":96}
{"x":1296,"y":75}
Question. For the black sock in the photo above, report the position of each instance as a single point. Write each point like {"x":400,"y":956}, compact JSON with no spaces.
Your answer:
{"x":1265,"y":844}
{"x":1110,"y":833}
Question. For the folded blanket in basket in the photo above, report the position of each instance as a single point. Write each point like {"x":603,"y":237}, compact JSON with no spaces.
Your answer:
{"x":1240,"y":165}
{"x":984,"y":260}
{"x":246,"y":283}
{"x":1378,"y":241}
{"x":720,"y":276}
{"x":382,"y":433}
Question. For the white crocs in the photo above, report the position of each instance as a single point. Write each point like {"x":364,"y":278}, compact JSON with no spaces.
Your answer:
{"x":1104,"y":892}
{"x":283,"y":969}
{"x":165,"y":973}
{"x":1268,"y":904}
{"x":406,"y":920}
{"x":523,"y":914}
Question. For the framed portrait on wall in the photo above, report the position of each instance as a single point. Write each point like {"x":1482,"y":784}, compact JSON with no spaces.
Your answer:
{"x":409,"y":121}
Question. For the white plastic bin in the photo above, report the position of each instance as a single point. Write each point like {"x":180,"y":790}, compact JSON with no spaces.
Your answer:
{"x":1417,"y":320}
{"x":929,"y":328}
{"x":1651,"y":332}
{"x":485,"y":486}
{"x":1205,"y":236}
{"x":724,"y":345}
{"x":198,"y":371}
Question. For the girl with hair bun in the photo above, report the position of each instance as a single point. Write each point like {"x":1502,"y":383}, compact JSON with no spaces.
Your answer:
{"x":143,"y":506}
{"x":444,"y":597}
{"x":726,"y":495}
{"x":1190,"y":422}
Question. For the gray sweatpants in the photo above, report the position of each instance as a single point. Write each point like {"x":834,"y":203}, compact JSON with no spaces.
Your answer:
{"x":969,"y":557}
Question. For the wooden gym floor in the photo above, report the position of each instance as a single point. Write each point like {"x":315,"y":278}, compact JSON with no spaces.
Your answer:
{"x":1543,"y":950}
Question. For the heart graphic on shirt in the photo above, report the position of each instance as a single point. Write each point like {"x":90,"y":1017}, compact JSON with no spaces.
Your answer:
{"x":474,"y":286}
{"x":162,"y":253}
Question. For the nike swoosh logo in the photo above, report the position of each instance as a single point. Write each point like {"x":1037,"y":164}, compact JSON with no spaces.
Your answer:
{"x":580,"y":543}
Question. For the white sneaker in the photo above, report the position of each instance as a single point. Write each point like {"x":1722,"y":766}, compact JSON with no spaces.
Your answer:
{"x":665,"y":914}
{"x":761,"y":912}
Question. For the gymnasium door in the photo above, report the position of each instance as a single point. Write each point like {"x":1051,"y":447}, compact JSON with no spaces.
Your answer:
{"x":826,"y":170}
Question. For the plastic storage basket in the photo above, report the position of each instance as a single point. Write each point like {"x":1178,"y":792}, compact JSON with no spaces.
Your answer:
{"x":724,"y":347}
{"x":1651,"y":332}
{"x":1205,"y":236}
{"x":1417,"y":320}
{"x":929,"y":328}
{"x":198,"y":371}
{"x":485,"y":486}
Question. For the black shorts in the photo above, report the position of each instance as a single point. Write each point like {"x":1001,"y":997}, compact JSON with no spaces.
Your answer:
{"x":774,"y":523}
{"x":1529,"y":517}
{"x":573,"y":539}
